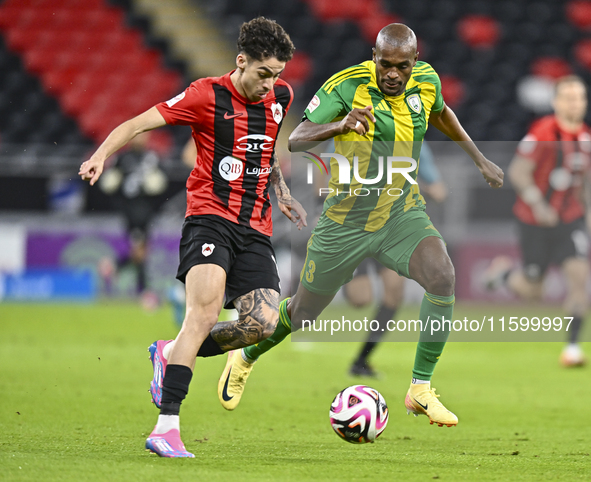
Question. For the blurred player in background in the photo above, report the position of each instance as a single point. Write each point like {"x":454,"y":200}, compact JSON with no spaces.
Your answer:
{"x":225,"y":246}
{"x":133,"y":182}
{"x":404,"y":95}
{"x":359,"y":290}
{"x":550,"y":174}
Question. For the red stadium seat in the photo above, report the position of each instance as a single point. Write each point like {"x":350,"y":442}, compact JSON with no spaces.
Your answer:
{"x":21,"y":40}
{"x":578,"y":13}
{"x":452,"y":89}
{"x":343,"y":9}
{"x":105,"y":20}
{"x":40,"y":60}
{"x":583,"y":53}
{"x":98,"y":68}
{"x":124,"y":40}
{"x":550,"y":67}
{"x":372,"y":24}
{"x":479,"y":31}
{"x":55,"y":39}
{"x":55,"y":82}
{"x":76,"y":101}
{"x":9,"y":16}
{"x":85,"y":41}
{"x":298,"y":69}
{"x":70,"y":19}
{"x":36,"y":18}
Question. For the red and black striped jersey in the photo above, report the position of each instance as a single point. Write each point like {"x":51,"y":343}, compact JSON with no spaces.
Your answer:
{"x":562,"y":163}
{"x":235,"y":142}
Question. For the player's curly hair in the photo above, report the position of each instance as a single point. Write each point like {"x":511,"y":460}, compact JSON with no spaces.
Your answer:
{"x":262,"y":38}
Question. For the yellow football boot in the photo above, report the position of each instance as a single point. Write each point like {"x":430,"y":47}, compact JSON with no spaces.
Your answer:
{"x":422,"y":400}
{"x":233,"y":379}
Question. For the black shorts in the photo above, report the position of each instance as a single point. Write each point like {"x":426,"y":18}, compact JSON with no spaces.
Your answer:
{"x":542,"y":246}
{"x":246,"y":255}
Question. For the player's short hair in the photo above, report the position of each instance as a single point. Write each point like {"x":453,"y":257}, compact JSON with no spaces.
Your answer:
{"x":569,"y":79}
{"x":262,"y":38}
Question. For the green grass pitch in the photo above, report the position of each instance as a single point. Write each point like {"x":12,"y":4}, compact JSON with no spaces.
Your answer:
{"x":75,"y":406}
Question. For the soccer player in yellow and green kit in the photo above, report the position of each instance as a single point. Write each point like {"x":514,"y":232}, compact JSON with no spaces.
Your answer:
{"x":380,"y":107}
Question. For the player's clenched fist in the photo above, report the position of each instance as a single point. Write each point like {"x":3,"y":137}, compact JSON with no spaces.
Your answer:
{"x":492,"y":173}
{"x":357,"y":120}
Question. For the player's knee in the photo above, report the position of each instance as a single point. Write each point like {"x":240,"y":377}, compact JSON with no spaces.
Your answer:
{"x":358,"y":302}
{"x":576,"y":303}
{"x":533,"y":273}
{"x":441,"y":279}
{"x":197,"y":319}
{"x":263,"y":326}
{"x":269,"y":328}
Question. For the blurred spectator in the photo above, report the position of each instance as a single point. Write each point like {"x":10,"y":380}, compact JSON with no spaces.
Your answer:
{"x":133,"y":182}
{"x":550,"y":173}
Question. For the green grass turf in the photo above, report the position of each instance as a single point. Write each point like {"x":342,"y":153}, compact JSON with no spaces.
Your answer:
{"x":75,"y":406}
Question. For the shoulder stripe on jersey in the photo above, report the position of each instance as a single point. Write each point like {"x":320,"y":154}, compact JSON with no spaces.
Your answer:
{"x":224,"y":140}
{"x":343,"y":73}
{"x":366,"y":74}
{"x":423,"y":72}
{"x":363,"y":72}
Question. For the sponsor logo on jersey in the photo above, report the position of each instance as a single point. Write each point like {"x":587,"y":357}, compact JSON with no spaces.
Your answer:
{"x":207,"y":249}
{"x":277,"y":111}
{"x":231,"y":168}
{"x":228,"y":116}
{"x":414,"y":102}
{"x":315,"y":102}
{"x":259,"y":171}
{"x":255,"y":143}
{"x":176,"y":99}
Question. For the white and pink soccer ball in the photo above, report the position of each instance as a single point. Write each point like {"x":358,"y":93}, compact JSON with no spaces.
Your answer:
{"x":359,"y":414}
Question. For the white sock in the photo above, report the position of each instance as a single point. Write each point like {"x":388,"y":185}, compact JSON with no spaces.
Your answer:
{"x":416,"y":381}
{"x":166,"y":350}
{"x":166,"y":423}
{"x":245,"y":358}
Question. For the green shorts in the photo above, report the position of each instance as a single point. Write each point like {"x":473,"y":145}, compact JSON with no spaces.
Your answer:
{"x":335,"y":250}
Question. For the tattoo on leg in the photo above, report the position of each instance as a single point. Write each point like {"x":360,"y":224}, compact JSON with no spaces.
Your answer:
{"x":258,"y":314}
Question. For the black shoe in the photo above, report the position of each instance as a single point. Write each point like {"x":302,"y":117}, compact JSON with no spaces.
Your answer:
{"x":362,"y":370}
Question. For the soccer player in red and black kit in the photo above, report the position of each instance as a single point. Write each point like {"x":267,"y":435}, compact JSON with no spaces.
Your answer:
{"x":225,"y":246}
{"x":551,"y":176}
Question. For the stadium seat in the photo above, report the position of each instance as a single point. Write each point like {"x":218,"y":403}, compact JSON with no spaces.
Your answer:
{"x":582,"y":53}
{"x":578,"y":13}
{"x":40,"y":60}
{"x":9,"y":15}
{"x":298,"y":69}
{"x":479,"y":31}
{"x":552,"y":67}
{"x":453,"y":89}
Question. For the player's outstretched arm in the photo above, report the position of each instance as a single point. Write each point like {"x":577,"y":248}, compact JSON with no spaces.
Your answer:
{"x":447,"y":122}
{"x":92,"y":169}
{"x":287,"y":203}
{"x":307,"y":134}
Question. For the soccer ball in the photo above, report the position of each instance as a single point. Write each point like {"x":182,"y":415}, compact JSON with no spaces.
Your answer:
{"x":358,"y":414}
